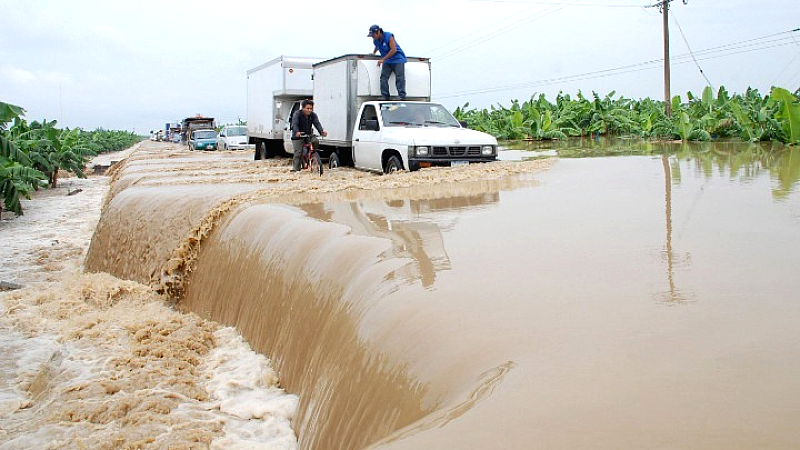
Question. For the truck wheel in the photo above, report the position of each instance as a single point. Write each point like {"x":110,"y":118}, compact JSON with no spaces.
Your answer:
{"x":262,"y":150}
{"x":333,"y":161}
{"x":393,"y":165}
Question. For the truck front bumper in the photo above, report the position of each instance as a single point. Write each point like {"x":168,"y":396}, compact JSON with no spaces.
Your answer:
{"x":416,"y":162}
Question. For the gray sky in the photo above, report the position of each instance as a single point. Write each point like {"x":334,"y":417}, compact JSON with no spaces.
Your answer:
{"x":137,"y":65}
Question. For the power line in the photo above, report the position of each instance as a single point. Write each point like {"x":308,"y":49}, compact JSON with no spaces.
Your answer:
{"x":690,"y":51}
{"x":430,"y":52}
{"x":593,"y":5}
{"x":721,"y":51}
{"x":599,"y":74}
{"x":495,"y":33}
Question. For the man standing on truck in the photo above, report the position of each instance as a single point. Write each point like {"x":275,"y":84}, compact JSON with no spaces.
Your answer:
{"x":301,"y":125}
{"x":392,"y":60}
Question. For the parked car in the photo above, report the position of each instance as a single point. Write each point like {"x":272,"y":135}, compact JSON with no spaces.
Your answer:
{"x":204,"y":139}
{"x":233,"y":137}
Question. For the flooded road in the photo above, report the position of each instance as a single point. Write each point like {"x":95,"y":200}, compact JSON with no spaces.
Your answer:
{"x":626,"y":302}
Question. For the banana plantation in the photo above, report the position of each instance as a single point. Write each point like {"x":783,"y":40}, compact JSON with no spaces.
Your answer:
{"x":31,"y":154}
{"x":747,"y":117}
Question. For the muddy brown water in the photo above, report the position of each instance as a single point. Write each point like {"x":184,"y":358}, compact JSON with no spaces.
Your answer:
{"x":618,"y":302}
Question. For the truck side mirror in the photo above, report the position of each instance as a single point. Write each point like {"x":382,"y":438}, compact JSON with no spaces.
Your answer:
{"x":371,"y":125}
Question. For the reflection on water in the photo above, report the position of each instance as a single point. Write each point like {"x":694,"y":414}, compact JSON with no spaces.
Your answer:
{"x":673,"y":295}
{"x":738,"y":160}
{"x":399,"y":221}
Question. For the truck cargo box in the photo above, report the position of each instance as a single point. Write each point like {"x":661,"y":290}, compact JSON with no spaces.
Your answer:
{"x":272,"y":89}
{"x":342,"y":84}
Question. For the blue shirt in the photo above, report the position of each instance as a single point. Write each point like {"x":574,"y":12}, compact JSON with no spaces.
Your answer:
{"x":383,"y":47}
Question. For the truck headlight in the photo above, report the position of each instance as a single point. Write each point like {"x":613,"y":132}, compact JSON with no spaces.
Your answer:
{"x":487,"y":150}
{"x":422,"y":151}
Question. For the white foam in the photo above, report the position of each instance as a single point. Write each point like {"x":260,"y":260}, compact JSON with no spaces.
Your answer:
{"x":258,"y":413}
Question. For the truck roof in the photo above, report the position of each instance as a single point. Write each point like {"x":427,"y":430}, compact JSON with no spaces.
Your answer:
{"x":295,"y":62}
{"x":366,"y":57}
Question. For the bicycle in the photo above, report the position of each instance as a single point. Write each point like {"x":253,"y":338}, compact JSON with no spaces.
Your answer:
{"x":310,"y":158}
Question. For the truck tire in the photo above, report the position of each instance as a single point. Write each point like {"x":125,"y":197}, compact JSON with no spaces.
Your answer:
{"x":278,"y":150}
{"x":262,"y":150}
{"x":333,"y":161}
{"x":393,"y":164}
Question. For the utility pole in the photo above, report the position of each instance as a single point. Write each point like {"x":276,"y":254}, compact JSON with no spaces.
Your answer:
{"x":663,"y":5}
{"x":667,"y":97}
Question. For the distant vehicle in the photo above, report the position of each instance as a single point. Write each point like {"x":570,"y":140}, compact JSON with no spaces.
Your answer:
{"x":203,"y":140}
{"x":152,"y":135}
{"x":175,"y":138}
{"x":233,"y":137}
{"x":195,"y":123}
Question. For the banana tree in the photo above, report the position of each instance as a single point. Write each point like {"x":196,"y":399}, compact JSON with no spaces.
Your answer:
{"x":17,"y":178}
{"x":16,"y":181}
{"x":51,"y":150}
{"x":788,"y":113}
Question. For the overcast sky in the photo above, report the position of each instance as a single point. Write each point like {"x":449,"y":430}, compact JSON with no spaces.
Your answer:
{"x":137,"y":65}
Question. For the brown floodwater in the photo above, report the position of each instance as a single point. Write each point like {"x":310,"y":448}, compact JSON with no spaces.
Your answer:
{"x":610,"y":302}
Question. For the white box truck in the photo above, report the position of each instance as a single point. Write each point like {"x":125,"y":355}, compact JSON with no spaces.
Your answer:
{"x":372,"y":134}
{"x":272,"y":89}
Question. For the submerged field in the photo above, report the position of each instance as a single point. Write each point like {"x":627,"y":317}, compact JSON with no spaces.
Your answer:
{"x":606,"y":302}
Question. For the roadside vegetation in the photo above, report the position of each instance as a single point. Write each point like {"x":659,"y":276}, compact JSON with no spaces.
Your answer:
{"x":747,"y":117}
{"x":31,"y":154}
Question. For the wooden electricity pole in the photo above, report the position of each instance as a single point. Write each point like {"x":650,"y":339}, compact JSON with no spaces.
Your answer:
{"x":667,"y":97}
{"x":663,"y":5}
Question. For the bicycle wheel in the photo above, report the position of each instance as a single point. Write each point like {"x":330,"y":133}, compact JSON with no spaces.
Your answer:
{"x":316,"y":163}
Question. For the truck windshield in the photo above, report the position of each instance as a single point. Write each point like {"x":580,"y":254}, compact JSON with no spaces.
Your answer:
{"x":404,"y":114}
{"x":205,"y":134}
{"x":237,"y":131}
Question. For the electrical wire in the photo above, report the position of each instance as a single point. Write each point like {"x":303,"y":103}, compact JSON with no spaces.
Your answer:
{"x":491,"y":25}
{"x":735,"y":48}
{"x":593,"y":5}
{"x":686,"y":41}
{"x":780,"y":74}
{"x":792,"y":79}
{"x":495,"y":33}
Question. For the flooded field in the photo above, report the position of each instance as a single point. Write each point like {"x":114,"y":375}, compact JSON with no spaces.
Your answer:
{"x":615,"y":302}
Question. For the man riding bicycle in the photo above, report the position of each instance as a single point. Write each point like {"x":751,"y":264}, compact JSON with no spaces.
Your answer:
{"x":302,"y":124}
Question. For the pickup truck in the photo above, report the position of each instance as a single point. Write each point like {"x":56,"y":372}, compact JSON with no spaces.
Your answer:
{"x":397,"y":135}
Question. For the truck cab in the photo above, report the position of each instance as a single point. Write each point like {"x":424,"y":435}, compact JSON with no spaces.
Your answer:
{"x":408,"y":135}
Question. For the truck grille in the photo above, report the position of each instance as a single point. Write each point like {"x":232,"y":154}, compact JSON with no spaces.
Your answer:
{"x":456,"y":151}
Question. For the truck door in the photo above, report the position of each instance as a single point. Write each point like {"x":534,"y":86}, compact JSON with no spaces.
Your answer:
{"x":287,"y":131}
{"x":366,"y":140}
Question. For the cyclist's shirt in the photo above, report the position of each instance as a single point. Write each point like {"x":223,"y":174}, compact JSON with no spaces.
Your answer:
{"x":303,"y":124}
{"x":383,"y":47}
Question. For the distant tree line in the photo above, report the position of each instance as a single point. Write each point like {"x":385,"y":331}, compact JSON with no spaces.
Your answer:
{"x":31,"y":154}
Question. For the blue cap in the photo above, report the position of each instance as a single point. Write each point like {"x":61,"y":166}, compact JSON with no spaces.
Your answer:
{"x":372,"y":30}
